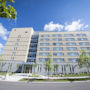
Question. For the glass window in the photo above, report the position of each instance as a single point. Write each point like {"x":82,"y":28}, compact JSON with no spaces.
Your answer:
{"x":57,"y":44}
{"x":56,"y":35}
{"x":72,"y":59}
{"x":79,"y":35}
{"x":43,"y":59}
{"x":71,"y":48}
{"x":58,"y":54}
{"x":70,"y":43}
{"x":88,"y":53}
{"x":69,"y":39}
{"x":44,"y":44}
{"x":85,"y":48}
{"x":84,"y":43}
{"x":45,"y":35}
{"x":44,"y":54}
{"x":72,"y":54}
{"x":57,"y":48}
{"x":57,"y":60}
{"x":68,"y":35}
{"x":82,"y":39}
{"x":57,"y":39}
{"x":44,"y":49}
{"x":45,"y":39}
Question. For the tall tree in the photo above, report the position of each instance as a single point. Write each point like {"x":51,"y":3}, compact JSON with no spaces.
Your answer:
{"x":56,"y":68}
{"x":84,"y":60}
{"x":48,"y":64}
{"x":7,"y":11}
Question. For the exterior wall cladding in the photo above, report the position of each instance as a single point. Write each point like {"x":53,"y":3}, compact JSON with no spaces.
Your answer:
{"x":24,"y":47}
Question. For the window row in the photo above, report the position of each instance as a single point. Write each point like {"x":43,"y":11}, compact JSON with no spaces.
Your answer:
{"x":68,"y":43}
{"x":61,"y":48}
{"x":59,"y":60}
{"x":65,"y":35}
{"x":66,"y":39}
{"x":61,"y":54}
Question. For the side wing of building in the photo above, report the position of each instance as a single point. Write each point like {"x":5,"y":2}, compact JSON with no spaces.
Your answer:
{"x":18,"y":44}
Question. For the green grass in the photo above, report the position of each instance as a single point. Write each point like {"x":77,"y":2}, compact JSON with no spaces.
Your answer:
{"x":53,"y":80}
{"x":71,"y":75}
{"x":2,"y":73}
{"x":77,"y":75}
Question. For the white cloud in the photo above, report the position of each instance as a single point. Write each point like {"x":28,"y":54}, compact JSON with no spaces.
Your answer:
{"x":53,"y":27}
{"x":1,"y":47}
{"x":3,"y":32}
{"x":74,"y":26}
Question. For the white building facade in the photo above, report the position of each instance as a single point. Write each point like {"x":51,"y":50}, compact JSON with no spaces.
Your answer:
{"x":25,"y":46}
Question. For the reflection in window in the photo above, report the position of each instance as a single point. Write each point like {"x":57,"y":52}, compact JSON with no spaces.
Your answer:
{"x":84,"y":43}
{"x":72,"y":59}
{"x":44,"y":44}
{"x":57,"y":48}
{"x":57,"y":44}
{"x":85,"y":48}
{"x":56,"y":35}
{"x":58,"y":54}
{"x":72,"y":54}
{"x":44,"y":54}
{"x":57,"y":60}
{"x":70,"y":43}
{"x":68,"y":35}
{"x":69,"y":39}
{"x":79,"y":35}
{"x":44,"y":49}
{"x":46,"y":39}
{"x":71,"y":48}
{"x":45,"y":35}
{"x":57,"y":39}
{"x":82,"y":39}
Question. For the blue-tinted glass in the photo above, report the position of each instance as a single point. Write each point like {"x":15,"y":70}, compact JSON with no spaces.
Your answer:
{"x":44,"y":39}
{"x":71,"y":43}
{"x":46,"y":35}
{"x":69,"y":39}
{"x":72,"y":54}
{"x":57,"y":44}
{"x":82,"y":39}
{"x":43,"y":59}
{"x":58,"y":54}
{"x":57,"y":49}
{"x":72,"y":60}
{"x":56,"y":35}
{"x":71,"y":48}
{"x":57,"y":60}
{"x":44,"y":44}
{"x":68,"y":35}
{"x":85,"y":48}
{"x":84,"y":43}
{"x":57,"y":39}
{"x":43,"y":54}
{"x":44,"y":49}
{"x":81,"y":35}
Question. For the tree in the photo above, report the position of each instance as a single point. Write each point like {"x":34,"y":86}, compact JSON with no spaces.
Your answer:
{"x":48,"y":65}
{"x":56,"y":68}
{"x":84,"y":60}
{"x":7,"y":11}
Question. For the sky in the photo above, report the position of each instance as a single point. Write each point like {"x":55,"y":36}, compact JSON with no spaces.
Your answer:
{"x":47,"y":15}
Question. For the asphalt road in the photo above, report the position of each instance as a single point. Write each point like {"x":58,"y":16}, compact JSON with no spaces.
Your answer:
{"x":44,"y":86}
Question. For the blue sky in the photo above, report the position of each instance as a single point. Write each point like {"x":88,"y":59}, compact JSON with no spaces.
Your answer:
{"x":49,"y":15}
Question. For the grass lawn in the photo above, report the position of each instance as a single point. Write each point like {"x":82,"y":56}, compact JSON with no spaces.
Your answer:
{"x":53,"y":80}
{"x":2,"y":73}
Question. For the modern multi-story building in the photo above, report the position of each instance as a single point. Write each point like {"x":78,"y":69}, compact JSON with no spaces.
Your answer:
{"x":25,"y":46}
